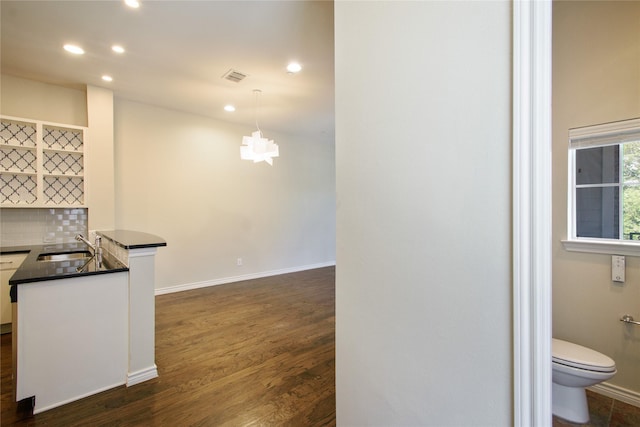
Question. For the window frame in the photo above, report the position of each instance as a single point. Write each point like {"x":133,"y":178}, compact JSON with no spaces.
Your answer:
{"x":613,"y":133}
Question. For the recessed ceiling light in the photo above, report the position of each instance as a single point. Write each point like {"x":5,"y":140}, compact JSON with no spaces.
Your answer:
{"x":107,"y":78}
{"x":72,"y":48}
{"x":117,"y":48}
{"x":230,"y":108}
{"x":132,"y":3}
{"x":294,"y":67}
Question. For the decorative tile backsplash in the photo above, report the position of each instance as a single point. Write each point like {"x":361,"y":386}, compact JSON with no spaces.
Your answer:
{"x":18,"y":159}
{"x":17,"y":133}
{"x":63,"y":190}
{"x":63,"y":163}
{"x":117,"y":252}
{"x":30,"y":226}
{"x":62,"y":138}
{"x":18,"y":188}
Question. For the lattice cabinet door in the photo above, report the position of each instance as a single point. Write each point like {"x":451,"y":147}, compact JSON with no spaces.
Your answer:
{"x":41,"y":164}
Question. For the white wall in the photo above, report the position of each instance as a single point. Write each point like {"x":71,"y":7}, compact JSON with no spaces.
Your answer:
{"x":180,"y":176}
{"x":42,"y":101}
{"x":423,"y":332}
{"x":596,"y":79}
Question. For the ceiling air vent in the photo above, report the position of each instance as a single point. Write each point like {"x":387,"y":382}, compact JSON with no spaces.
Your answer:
{"x":234,"y":76}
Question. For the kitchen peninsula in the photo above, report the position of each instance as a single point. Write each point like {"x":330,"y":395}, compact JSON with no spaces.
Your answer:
{"x":79,"y":327}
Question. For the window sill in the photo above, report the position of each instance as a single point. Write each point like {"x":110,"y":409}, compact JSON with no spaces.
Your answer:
{"x":602,"y":246}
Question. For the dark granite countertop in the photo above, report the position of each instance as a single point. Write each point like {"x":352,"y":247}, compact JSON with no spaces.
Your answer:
{"x":132,"y":239}
{"x":9,"y":250}
{"x":33,"y":270}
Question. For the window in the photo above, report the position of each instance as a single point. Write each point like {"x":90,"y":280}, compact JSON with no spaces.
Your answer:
{"x":604,"y":185}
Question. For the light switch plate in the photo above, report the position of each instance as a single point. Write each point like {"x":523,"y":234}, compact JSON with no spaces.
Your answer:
{"x":617,"y":268}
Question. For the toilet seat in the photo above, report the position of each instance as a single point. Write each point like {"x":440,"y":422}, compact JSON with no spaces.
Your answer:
{"x":577,"y":356}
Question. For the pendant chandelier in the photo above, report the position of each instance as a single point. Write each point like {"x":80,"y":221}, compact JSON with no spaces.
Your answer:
{"x":255,"y":147}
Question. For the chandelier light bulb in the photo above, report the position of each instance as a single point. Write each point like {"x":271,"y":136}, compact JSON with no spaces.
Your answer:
{"x":256,"y":147}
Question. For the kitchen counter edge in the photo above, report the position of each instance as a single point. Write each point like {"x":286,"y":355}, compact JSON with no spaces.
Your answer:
{"x":129,"y":239}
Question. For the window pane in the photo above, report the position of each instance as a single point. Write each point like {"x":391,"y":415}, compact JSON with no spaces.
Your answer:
{"x":631,"y":212}
{"x":598,"y":165}
{"x":631,"y":170}
{"x":597,"y":211}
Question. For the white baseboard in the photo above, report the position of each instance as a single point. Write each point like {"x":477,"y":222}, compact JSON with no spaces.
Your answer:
{"x":142,"y":375}
{"x":225,"y":280}
{"x":619,"y":393}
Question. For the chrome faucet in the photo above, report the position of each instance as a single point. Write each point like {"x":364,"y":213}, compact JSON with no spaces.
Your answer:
{"x":80,"y":238}
{"x":97,"y":250}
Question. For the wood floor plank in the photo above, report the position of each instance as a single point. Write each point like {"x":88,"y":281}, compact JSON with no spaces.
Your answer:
{"x":259,"y":352}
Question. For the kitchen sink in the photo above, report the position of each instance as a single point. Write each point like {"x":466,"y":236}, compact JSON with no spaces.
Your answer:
{"x":64,"y":256}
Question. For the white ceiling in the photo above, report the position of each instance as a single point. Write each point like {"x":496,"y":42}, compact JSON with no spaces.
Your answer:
{"x":178,"y":51}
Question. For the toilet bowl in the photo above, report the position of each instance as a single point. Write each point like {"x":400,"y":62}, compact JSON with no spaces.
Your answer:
{"x":575,"y":367}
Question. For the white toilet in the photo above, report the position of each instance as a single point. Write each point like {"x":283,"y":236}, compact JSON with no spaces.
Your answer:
{"x":575,"y":367}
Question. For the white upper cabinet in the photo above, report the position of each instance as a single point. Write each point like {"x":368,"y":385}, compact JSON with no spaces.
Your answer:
{"x":41,"y":164}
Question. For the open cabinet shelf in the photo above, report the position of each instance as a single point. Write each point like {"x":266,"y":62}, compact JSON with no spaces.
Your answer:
{"x":41,"y":164}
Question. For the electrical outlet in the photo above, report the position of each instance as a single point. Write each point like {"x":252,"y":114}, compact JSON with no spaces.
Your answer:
{"x":617,"y":268}
{"x":239,"y":262}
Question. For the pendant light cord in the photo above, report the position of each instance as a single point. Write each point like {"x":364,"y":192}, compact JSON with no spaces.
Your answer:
{"x":257,"y":93}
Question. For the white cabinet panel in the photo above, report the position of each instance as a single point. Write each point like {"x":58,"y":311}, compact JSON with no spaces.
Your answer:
{"x":8,"y":265}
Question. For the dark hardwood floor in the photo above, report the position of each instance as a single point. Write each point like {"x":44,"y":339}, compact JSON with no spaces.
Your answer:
{"x":253,"y":353}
